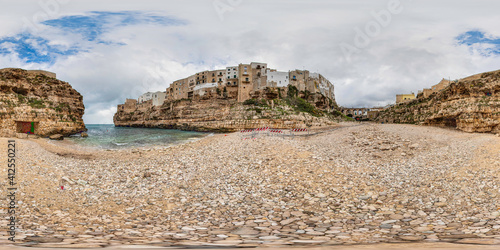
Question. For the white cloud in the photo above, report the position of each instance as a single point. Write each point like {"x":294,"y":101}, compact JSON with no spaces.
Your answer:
{"x":416,"y":50}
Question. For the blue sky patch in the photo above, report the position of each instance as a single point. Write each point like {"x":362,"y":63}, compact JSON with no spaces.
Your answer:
{"x":93,"y":25}
{"x":472,"y":38}
{"x":33,"y":49}
{"x":36,"y":49}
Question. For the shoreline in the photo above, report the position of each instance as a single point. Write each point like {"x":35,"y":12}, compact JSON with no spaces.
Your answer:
{"x":352,"y":184}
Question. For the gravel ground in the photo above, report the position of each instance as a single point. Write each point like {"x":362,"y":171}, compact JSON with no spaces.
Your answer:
{"x":360,"y":184}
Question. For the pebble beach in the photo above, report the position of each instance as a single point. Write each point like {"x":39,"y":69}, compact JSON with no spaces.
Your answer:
{"x":354,"y":184}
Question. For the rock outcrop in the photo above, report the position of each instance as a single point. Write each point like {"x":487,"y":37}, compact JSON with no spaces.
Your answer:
{"x":471,"y":104}
{"x":35,"y":102}
{"x":212,"y":114}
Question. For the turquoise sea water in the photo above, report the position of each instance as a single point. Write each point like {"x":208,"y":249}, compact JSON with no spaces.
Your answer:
{"x":110,"y":137}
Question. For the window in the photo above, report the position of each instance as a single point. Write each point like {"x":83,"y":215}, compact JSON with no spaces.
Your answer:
{"x":228,"y":77}
{"x":246,"y":79}
{"x":234,"y":76}
{"x":294,"y":78}
{"x":220,"y":79}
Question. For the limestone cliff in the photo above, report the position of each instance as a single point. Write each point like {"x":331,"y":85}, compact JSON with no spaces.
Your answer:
{"x":218,"y":114}
{"x":471,"y":104}
{"x":35,"y":102}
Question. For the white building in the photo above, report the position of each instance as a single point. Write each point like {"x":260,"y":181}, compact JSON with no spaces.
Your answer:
{"x":203,"y":88}
{"x":324,"y":86}
{"x":277,"y":78}
{"x":159,"y":98}
{"x":232,"y":73}
{"x":145,"y":97}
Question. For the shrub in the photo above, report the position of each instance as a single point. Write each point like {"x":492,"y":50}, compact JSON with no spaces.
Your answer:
{"x":34,"y":103}
{"x":250,"y":102}
{"x":292,"y":91}
{"x":303,"y":106}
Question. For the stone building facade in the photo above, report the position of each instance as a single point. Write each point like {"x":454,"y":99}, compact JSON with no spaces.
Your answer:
{"x":425,"y":93}
{"x":159,"y":98}
{"x":239,"y":82}
{"x":404,"y":98}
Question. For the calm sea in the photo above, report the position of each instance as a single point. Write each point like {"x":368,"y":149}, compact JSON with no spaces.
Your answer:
{"x":108,"y":136}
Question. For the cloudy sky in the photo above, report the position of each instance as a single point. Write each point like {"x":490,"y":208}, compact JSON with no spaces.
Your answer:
{"x":371,"y":50}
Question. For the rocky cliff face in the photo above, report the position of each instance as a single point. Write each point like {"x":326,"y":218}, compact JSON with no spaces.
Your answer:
{"x":226,"y":115}
{"x":471,"y":104}
{"x":36,"y":102}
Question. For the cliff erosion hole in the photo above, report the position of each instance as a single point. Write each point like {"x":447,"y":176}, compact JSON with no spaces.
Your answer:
{"x":20,"y":91}
{"x":450,"y":122}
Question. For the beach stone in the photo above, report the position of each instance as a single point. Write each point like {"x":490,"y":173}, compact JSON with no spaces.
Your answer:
{"x":287,"y":221}
{"x":389,"y":221}
{"x":269,"y":238}
{"x":365,"y":197}
{"x":441,"y":204}
{"x":245,"y":231}
{"x":315,"y":233}
{"x":480,"y":241}
{"x":411,"y":237}
{"x":42,"y":239}
{"x":396,"y":217}
{"x":57,"y":137}
{"x":458,"y":236}
{"x":308,"y":242}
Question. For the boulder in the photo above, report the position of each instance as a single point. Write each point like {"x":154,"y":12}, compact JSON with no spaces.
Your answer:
{"x":58,"y":137}
{"x":21,"y":136}
{"x":84,"y":135}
